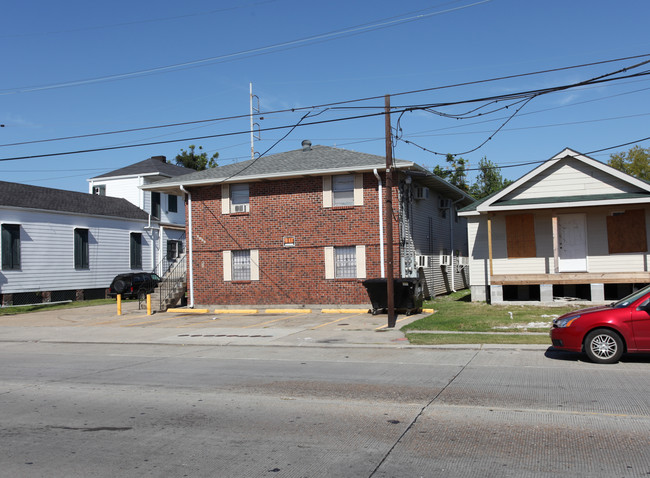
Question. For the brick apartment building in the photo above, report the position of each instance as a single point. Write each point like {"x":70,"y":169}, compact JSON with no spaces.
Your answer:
{"x":304,"y":227}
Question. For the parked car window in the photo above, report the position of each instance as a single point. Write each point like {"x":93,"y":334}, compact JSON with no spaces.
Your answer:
{"x":625,"y":301}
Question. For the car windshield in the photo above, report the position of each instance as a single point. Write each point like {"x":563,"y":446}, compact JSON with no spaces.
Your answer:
{"x":633,"y":297}
{"x":155,"y":277}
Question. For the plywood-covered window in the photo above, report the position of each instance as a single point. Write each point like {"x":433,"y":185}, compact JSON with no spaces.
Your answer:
{"x":520,"y":234}
{"x":626,"y":232}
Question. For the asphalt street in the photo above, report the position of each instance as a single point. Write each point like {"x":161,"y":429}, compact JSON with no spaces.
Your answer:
{"x":171,"y":404}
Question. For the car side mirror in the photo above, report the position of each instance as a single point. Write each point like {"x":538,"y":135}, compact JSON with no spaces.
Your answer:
{"x":645,"y":306}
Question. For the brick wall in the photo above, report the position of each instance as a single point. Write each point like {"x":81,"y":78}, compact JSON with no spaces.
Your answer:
{"x":288,"y":275}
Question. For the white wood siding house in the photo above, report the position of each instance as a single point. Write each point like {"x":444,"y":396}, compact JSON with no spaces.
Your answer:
{"x":65,"y":245}
{"x":168,"y":210}
{"x":573,"y":227}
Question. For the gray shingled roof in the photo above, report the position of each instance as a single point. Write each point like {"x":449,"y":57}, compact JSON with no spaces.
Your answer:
{"x":36,"y":197}
{"x":293,"y":163}
{"x":152,"y":165}
{"x":314,"y":161}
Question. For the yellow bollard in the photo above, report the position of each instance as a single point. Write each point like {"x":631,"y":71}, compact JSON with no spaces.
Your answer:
{"x":148,"y":304}
{"x":119,"y":304}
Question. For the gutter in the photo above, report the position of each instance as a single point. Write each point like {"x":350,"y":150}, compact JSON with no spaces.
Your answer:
{"x":189,"y":245}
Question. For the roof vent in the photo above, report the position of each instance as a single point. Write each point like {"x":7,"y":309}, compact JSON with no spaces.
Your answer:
{"x":306,"y":145}
{"x":162,"y":159}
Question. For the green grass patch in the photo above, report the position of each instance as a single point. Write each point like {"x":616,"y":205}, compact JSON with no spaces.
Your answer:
{"x":445,"y":339}
{"x":456,"y":313}
{"x":38,"y":307}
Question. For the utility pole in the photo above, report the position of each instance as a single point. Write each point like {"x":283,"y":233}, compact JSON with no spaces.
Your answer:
{"x":390,"y":288}
{"x":253,"y":109}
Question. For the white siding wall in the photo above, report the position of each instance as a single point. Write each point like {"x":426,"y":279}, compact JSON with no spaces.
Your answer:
{"x":172,"y":217}
{"x":126,"y":188}
{"x":431,"y":235}
{"x":571,"y":179}
{"x":479,"y":266}
{"x":47,"y":251}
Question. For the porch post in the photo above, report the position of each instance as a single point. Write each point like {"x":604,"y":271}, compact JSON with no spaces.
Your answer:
{"x":556,"y":246}
{"x":489,"y":225}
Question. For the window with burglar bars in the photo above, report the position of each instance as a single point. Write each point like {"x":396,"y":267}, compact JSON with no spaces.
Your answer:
{"x":345,"y":262}
{"x":241,"y":265}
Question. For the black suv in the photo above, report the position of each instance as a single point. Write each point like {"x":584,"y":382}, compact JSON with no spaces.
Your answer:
{"x":135,"y":285}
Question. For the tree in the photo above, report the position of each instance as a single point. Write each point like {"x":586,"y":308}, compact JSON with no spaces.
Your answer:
{"x":193,"y":160}
{"x":488,"y":180}
{"x":635,"y":162}
{"x":454,"y":172}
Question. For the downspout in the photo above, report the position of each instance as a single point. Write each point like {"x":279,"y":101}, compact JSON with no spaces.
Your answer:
{"x":381,"y":224}
{"x":161,"y":231}
{"x":189,"y":245}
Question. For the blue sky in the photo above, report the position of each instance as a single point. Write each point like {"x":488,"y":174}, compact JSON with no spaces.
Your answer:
{"x":76,"y":68}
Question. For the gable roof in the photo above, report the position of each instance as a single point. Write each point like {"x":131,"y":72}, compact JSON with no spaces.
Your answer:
{"x":309,"y":161}
{"x":49,"y":199}
{"x":156,"y":165}
{"x":600,"y":184}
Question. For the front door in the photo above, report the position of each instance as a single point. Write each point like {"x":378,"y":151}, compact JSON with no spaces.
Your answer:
{"x":572,"y":243}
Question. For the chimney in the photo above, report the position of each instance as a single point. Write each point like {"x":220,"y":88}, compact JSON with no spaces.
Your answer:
{"x":162,"y":159}
{"x":306,"y":145}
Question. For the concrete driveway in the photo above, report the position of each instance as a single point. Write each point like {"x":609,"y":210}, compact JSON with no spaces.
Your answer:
{"x":263,"y":326}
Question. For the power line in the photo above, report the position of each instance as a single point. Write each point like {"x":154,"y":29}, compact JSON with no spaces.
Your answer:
{"x":358,"y":29}
{"x":526,"y":94}
{"x":139,"y":22}
{"x":331,"y":105}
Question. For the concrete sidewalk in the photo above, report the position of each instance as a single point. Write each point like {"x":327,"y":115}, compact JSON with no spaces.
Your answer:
{"x":213,"y":326}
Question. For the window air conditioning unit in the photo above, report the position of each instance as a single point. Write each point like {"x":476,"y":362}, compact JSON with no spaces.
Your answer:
{"x":445,"y":260}
{"x":444,"y":203}
{"x":240,"y":207}
{"x":424,"y":261}
{"x":421,"y":192}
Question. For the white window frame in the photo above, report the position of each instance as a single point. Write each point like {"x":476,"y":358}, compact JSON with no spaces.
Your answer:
{"x":230,"y":203}
{"x":360,"y":263}
{"x":229,"y":267}
{"x":329,"y":196}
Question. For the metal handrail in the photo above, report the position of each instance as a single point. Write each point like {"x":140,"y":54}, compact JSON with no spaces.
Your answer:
{"x":165,"y":263}
{"x":173,"y":278}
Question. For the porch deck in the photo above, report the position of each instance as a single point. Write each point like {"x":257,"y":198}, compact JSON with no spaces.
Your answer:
{"x":572,"y":278}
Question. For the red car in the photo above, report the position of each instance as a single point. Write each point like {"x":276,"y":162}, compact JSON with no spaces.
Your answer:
{"x":605,"y":333}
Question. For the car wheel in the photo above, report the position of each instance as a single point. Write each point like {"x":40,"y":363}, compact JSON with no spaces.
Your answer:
{"x":119,"y":286}
{"x":142,"y":295}
{"x":603,"y":346}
